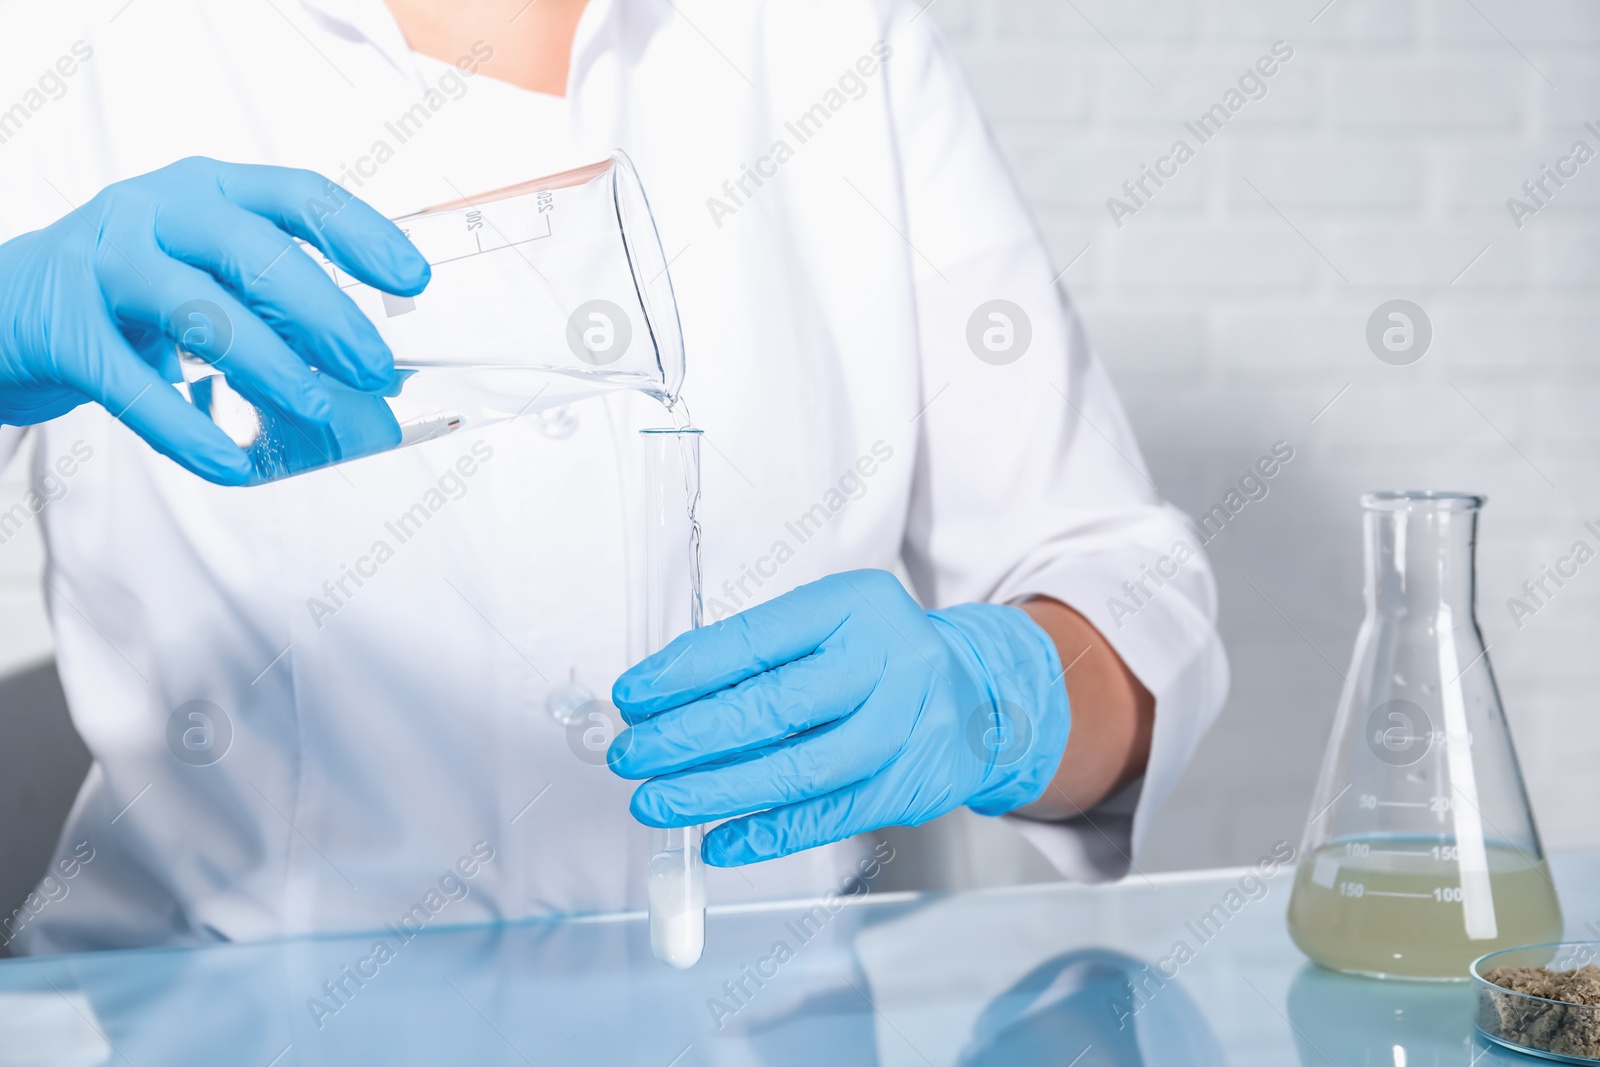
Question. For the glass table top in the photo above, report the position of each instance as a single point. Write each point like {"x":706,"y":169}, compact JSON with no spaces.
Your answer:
{"x":1086,"y":976}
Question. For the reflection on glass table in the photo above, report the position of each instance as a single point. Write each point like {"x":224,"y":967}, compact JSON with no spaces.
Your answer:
{"x":1089,"y":1008}
{"x":1341,"y":1019}
{"x":1181,"y":969}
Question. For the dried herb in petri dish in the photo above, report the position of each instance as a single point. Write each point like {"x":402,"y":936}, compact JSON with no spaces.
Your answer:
{"x":1548,"y":1022}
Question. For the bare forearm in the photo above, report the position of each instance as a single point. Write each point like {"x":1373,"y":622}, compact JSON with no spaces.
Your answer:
{"x":1113,"y":715}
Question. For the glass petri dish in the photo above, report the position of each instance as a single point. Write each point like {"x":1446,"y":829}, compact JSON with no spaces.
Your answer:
{"x":1551,"y":1029}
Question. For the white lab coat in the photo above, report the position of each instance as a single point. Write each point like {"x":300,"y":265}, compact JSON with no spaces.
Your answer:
{"x":826,"y":313}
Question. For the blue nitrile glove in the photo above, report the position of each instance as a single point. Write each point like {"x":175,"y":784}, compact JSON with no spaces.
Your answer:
{"x":92,"y":306}
{"x":838,"y":708}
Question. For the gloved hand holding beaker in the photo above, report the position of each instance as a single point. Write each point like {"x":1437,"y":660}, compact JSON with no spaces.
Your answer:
{"x":836,"y":709}
{"x":198,"y":253}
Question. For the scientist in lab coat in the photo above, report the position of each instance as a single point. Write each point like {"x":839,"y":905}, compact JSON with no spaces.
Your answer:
{"x":875,"y":342}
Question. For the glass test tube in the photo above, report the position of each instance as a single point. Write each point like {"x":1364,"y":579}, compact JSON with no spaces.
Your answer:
{"x":677,"y":877}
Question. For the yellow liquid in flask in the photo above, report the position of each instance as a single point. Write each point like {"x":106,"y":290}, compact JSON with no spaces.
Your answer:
{"x":1393,"y":907}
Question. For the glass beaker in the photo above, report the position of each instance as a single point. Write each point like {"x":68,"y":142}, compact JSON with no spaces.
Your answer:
{"x":1421,"y":852}
{"x":672,"y":605}
{"x":542,"y":293}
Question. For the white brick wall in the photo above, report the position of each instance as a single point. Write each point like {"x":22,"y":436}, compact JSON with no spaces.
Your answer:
{"x":1390,"y":141}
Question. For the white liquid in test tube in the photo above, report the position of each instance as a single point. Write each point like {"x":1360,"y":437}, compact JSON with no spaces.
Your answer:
{"x":678,"y":901}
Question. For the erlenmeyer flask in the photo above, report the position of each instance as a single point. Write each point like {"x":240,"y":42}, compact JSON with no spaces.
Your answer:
{"x":1421,"y":853}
